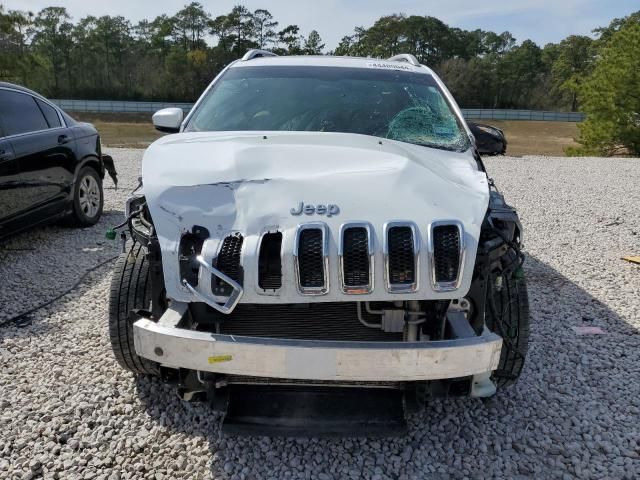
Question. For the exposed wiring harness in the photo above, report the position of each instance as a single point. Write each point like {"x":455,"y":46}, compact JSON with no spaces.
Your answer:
{"x":111,"y":233}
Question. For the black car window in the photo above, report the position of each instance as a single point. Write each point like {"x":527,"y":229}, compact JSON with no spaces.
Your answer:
{"x":20,"y":113}
{"x":50,"y":114}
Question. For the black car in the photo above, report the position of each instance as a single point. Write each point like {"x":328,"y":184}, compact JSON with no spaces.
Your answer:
{"x":489,"y":140}
{"x":51,"y":166}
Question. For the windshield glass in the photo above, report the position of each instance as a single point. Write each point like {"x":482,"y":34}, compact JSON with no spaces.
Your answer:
{"x":394,"y":104}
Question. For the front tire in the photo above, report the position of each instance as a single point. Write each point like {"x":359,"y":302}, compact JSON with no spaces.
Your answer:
{"x":130,"y":290}
{"x":88,"y":198}
{"x":508,"y":315}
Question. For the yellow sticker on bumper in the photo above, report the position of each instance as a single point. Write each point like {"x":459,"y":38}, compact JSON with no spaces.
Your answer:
{"x":220,"y":358}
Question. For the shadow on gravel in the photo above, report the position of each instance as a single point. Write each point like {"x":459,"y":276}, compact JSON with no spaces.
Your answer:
{"x":574,"y":411}
{"x":36,"y":323}
{"x":39,"y":264}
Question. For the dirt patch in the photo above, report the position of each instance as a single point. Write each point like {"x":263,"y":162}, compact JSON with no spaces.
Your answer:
{"x":526,"y":137}
{"x":112,"y":117}
{"x":127,"y":130}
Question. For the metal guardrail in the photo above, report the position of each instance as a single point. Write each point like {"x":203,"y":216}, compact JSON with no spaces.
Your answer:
{"x":116,"y":106}
{"x":498,"y":114}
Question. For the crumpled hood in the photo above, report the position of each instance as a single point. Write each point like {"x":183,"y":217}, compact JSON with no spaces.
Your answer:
{"x":250,"y":182}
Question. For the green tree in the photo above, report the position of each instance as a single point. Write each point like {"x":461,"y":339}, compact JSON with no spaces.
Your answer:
{"x":344,"y":47}
{"x":610,"y":97}
{"x":240,"y":21}
{"x":190,"y":24}
{"x":264,"y":26}
{"x":571,"y":65}
{"x":313,"y":44}
{"x":385,"y":38}
{"x":17,"y":62}
{"x":498,"y":43}
{"x":173,"y":57}
{"x":472,"y":82}
{"x":290,"y":40}
{"x":52,"y":39}
{"x":518,"y":71}
{"x":353,"y":45}
{"x":221,"y":27}
{"x":605,"y":33}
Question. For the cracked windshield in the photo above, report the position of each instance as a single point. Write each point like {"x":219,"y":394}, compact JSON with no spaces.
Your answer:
{"x":398,"y":105}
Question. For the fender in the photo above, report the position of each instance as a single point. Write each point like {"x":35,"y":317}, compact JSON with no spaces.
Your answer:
{"x":88,"y":160}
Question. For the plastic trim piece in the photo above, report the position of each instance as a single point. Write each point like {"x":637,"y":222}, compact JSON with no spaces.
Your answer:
{"x":397,"y":287}
{"x":446,"y":286}
{"x":357,"y":289}
{"x":257,"y":53}
{"x":233,"y":299}
{"x":324,"y":289}
{"x":405,"y":57}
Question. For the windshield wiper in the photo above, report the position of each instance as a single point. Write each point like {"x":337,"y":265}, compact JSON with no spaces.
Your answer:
{"x":436,"y":145}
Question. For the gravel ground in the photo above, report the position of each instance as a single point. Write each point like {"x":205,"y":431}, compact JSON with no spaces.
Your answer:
{"x":68,"y":411}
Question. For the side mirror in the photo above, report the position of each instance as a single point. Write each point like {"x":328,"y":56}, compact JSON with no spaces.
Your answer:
{"x":489,"y":140}
{"x":168,"y":120}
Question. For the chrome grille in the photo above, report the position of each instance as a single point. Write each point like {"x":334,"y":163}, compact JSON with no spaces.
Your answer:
{"x":401,"y":243}
{"x":356,"y":258}
{"x":401,"y":257}
{"x":447,"y":254}
{"x":311,"y":259}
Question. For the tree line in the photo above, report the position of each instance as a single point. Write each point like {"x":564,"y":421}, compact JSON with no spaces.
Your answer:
{"x":173,"y":58}
{"x":170,"y":58}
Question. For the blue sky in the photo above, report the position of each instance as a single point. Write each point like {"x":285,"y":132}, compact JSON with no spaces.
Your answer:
{"x":542,"y":21}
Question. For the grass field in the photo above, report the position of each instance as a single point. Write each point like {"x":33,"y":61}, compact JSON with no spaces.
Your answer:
{"x":537,"y":138}
{"x":523,"y":137}
{"x":131,"y":130}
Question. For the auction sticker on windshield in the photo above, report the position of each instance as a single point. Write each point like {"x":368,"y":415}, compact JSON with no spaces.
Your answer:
{"x":396,"y":66}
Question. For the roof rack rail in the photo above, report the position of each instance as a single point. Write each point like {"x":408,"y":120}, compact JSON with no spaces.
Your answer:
{"x":405,"y":57}
{"x":255,"y":53}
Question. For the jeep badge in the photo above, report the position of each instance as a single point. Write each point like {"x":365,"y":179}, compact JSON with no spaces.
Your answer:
{"x":329,"y":210}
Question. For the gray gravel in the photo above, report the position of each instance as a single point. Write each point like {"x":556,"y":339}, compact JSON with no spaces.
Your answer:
{"x":68,"y":411}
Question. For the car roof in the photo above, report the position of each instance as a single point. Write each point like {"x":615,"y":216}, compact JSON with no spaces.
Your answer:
{"x":331,"y":61}
{"x":20,"y":88}
{"x":69,"y":120}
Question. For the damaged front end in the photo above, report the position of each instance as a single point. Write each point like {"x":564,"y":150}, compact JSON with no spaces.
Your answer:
{"x":275,"y":287}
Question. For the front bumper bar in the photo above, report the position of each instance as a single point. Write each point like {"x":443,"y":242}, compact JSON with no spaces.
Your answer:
{"x":165,"y":343}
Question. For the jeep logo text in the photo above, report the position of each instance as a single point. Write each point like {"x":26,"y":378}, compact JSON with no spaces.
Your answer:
{"x":329,"y":210}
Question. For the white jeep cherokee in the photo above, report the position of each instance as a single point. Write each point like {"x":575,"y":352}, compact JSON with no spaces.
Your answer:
{"x":318,"y":249}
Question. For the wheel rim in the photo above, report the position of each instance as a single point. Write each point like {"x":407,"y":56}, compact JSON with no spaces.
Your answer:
{"x":89,"y":196}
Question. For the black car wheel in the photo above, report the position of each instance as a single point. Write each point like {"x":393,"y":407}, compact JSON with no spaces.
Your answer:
{"x":88,"y":199}
{"x":130,"y":291}
{"x":508,"y":316}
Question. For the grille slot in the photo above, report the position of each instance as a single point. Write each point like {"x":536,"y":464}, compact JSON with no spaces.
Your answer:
{"x":269,"y":262}
{"x":355,"y":259}
{"x":228,"y":262}
{"x":311,"y":259}
{"x":402,"y":258}
{"x":446,"y":254}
